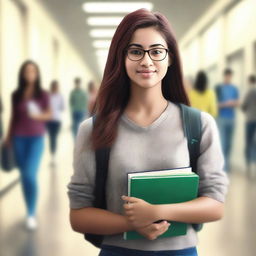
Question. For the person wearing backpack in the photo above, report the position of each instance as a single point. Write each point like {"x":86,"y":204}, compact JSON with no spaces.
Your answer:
{"x":138,"y":126}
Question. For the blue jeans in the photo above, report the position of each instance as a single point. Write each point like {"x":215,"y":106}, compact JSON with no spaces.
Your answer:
{"x":108,"y":250}
{"x":28,"y":152}
{"x":77,"y":118}
{"x":250,"y":139}
{"x":53,"y":130}
{"x":226,"y":128}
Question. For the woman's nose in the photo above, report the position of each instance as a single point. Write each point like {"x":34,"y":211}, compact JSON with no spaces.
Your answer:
{"x":146,"y":61}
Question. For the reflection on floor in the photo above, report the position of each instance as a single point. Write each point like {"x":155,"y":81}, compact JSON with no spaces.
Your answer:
{"x":234,"y":235}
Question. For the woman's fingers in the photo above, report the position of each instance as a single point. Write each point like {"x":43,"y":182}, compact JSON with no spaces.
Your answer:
{"x":153,"y":231}
{"x":129,"y":213}
{"x":161,"y":227}
{"x":127,"y":206}
{"x":130,"y":199}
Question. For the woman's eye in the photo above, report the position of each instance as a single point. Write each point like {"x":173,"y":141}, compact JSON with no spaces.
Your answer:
{"x":135,"y":52}
{"x":156,"y":51}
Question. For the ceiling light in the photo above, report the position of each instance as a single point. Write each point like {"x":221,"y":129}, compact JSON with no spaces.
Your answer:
{"x":104,"y":21}
{"x":102,"y":32}
{"x":101,"y":43}
{"x":115,"y":7}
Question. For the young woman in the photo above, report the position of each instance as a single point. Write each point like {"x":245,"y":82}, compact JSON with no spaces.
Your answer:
{"x":30,"y":110}
{"x":138,"y":118}
{"x":53,"y":126}
{"x":201,"y":97}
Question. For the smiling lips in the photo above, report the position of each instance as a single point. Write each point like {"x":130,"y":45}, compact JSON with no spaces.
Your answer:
{"x":146,"y":73}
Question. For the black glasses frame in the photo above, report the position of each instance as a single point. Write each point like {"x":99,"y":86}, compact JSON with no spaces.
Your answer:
{"x":147,"y":51}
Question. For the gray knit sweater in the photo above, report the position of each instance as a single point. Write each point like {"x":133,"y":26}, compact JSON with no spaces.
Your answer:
{"x":161,"y":145}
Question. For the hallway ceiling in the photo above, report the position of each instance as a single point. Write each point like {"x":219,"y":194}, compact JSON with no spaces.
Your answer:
{"x":72,"y":19}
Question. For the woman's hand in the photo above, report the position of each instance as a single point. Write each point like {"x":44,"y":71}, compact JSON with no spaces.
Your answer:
{"x":36,"y":117}
{"x":154,"y":230}
{"x":44,"y":116}
{"x":139,"y":212}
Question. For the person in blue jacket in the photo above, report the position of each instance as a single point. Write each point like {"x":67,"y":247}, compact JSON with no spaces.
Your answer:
{"x":228,"y":101}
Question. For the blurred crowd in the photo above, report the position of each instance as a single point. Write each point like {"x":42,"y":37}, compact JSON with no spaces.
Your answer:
{"x":36,"y":111}
{"x":222,"y":102}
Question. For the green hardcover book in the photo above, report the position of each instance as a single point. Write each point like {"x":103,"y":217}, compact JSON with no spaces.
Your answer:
{"x":163,"y":187}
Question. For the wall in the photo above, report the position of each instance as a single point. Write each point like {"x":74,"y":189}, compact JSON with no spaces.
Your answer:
{"x":225,"y":36}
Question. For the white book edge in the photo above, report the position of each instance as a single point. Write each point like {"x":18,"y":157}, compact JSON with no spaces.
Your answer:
{"x":161,"y":172}
{"x":165,"y":176}
{"x":129,"y":194}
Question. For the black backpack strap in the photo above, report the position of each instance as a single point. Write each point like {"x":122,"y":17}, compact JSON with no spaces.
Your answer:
{"x":192,"y":126}
{"x":102,"y":163}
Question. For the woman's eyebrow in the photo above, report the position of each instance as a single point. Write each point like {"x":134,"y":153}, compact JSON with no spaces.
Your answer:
{"x":140,"y":46}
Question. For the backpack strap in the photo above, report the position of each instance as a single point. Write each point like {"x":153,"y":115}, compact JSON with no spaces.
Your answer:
{"x":192,"y":127}
{"x":102,"y":163}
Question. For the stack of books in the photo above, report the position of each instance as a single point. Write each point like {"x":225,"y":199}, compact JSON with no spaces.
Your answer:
{"x":163,"y":187}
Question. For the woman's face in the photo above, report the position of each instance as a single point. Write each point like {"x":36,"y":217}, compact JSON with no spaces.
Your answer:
{"x":30,"y":73}
{"x":55,"y":87}
{"x":146,"y":73}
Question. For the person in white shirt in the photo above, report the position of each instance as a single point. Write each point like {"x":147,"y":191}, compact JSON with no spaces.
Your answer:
{"x":53,"y":126}
{"x":92,"y":95}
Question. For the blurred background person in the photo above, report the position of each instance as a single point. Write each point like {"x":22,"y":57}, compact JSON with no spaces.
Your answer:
{"x":30,"y":110}
{"x":53,"y":126}
{"x":201,"y":97}
{"x":1,"y":124}
{"x":78,"y":105}
{"x":92,"y":95}
{"x":228,"y":100}
{"x":249,"y":108}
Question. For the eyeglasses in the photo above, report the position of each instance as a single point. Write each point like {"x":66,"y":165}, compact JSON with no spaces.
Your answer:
{"x":155,"y":54}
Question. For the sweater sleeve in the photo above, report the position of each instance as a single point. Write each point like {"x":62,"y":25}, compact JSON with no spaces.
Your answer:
{"x":81,"y":186}
{"x":213,"y":180}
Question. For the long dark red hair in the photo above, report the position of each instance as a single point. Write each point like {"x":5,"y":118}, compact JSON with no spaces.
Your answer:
{"x":22,"y":83}
{"x":114,"y":91}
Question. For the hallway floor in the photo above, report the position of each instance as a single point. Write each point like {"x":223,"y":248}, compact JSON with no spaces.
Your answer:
{"x":234,"y":235}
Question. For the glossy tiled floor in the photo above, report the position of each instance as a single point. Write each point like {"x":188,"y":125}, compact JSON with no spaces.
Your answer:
{"x":235,"y":235}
